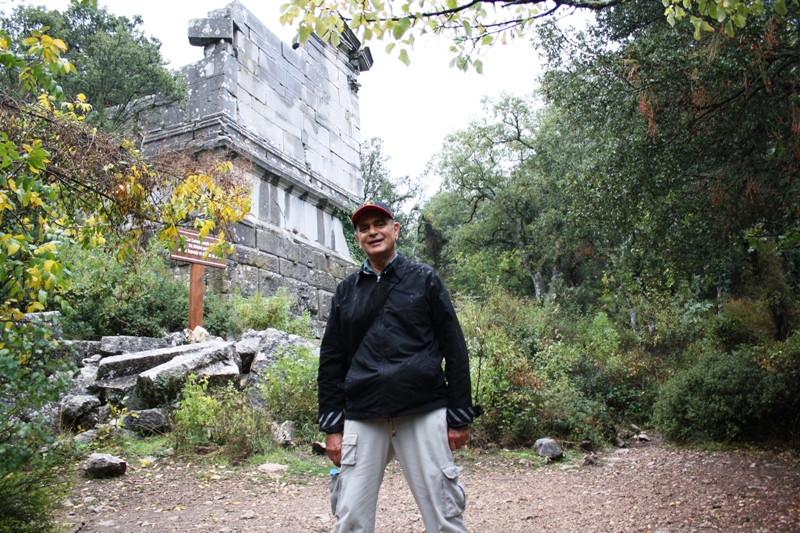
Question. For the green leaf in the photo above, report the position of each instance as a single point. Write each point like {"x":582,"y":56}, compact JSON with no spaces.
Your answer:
{"x":780,"y":7}
{"x":404,"y":57}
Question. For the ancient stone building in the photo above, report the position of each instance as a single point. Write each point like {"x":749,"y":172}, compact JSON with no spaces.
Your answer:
{"x":291,"y":112}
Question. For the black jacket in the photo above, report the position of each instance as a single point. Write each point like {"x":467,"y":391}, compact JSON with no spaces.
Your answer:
{"x":394,"y":367}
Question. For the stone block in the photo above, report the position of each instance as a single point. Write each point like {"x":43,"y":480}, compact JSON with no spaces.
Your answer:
{"x":277,"y":244}
{"x":243,"y":277}
{"x":269,"y":282}
{"x":258,"y":259}
{"x":303,"y":295}
{"x":323,"y":281}
{"x":294,"y":87}
{"x":325,"y":303}
{"x":162,"y":384}
{"x":314,"y":259}
{"x":295,"y":271}
{"x":209,"y":30}
{"x":292,"y":145}
{"x":244,"y":234}
{"x":121,"y":344}
{"x":291,"y":56}
{"x":133,"y":363}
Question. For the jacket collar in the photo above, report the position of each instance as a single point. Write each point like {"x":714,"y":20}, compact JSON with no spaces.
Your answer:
{"x":396,"y":267}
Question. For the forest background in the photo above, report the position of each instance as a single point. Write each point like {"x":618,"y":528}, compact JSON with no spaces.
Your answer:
{"x":622,"y":245}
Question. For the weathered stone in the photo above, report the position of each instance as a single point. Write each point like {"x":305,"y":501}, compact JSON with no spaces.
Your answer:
{"x":548,"y":447}
{"x":247,"y":348}
{"x":210,"y":30}
{"x":85,"y":437}
{"x":83,"y":380}
{"x":123,"y":344}
{"x":273,"y":344}
{"x":80,"y":350}
{"x":102,"y":465}
{"x":134,"y":363}
{"x":72,"y":408}
{"x":50,"y":320}
{"x":114,"y":390}
{"x":148,"y":421}
{"x":161,"y":385}
{"x":177,"y":338}
{"x":244,"y":234}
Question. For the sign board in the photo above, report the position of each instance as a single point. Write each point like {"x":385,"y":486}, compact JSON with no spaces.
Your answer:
{"x":195,"y":250}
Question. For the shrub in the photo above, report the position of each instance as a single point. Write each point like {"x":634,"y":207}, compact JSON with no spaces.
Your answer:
{"x":233,"y":314}
{"x":289,"y":390}
{"x":223,"y":418}
{"x":140,"y":297}
{"x":32,"y":373}
{"x":721,"y":398}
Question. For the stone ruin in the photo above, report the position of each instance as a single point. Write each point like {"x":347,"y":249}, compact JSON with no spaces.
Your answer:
{"x":290,"y":112}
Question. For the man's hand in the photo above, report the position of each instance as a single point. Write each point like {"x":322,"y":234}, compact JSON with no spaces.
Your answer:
{"x":333,"y":447}
{"x":458,"y":437}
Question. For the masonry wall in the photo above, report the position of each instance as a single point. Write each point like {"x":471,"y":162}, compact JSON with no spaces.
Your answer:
{"x":291,"y":115}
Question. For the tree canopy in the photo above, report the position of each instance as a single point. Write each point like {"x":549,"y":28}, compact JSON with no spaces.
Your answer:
{"x":475,"y":24}
{"x":120,"y":70}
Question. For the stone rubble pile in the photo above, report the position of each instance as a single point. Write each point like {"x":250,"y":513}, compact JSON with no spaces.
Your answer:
{"x":142,"y":376}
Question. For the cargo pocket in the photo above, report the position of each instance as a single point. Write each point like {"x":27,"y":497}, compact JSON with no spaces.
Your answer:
{"x":349,"y":441}
{"x":455,"y":500}
{"x":335,"y":487}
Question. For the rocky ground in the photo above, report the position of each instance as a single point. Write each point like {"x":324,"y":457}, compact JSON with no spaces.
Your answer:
{"x":649,"y":488}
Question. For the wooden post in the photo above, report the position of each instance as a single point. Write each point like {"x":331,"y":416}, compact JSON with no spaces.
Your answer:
{"x":196,"y":288}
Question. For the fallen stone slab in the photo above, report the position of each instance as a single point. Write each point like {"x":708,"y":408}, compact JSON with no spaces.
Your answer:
{"x":122,"y":344}
{"x":130,"y":364}
{"x":102,"y":465}
{"x":79,"y":350}
{"x":162,"y":384}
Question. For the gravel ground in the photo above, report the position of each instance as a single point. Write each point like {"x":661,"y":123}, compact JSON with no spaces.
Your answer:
{"x":639,"y":489}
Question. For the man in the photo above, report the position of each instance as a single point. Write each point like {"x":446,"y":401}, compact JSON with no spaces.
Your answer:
{"x":382,"y":390}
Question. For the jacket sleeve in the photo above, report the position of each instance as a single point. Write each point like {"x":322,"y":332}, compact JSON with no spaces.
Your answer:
{"x":460,"y":411}
{"x":333,"y":363}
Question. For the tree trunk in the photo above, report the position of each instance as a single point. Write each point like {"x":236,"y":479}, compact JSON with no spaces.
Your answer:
{"x":628,"y":305}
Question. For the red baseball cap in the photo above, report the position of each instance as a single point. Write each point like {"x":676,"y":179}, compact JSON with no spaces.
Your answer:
{"x":372,"y":206}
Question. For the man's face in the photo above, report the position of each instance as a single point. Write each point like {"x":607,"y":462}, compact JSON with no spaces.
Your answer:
{"x":376,"y":234}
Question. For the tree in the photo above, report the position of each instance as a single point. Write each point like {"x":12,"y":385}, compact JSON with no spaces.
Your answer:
{"x":121,"y":70}
{"x":501,"y":209}
{"x":474,"y":24}
{"x":400,"y":194}
{"x":695,"y":159}
{"x":63,"y":181}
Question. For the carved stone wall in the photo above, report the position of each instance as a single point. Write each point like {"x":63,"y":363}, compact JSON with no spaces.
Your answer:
{"x":291,"y":113}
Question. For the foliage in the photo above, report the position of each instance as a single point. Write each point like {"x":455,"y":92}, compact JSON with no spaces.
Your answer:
{"x":473,"y":26}
{"x":32,"y":373}
{"x":139,"y":297}
{"x":521,"y":378}
{"x":119,"y":66}
{"x":31,"y":494}
{"x":220,"y":417}
{"x":234,"y":314}
{"x":289,"y":390}
{"x":401,"y":194}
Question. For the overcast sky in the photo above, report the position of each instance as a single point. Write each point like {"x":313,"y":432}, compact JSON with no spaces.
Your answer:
{"x":411,"y":108}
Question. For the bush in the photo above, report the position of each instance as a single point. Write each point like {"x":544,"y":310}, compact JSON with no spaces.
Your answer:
{"x":32,"y":373}
{"x":31,"y":494}
{"x":721,"y":398}
{"x":141,"y":297}
{"x":221,"y":418}
{"x":233,"y":314}
{"x":289,"y":390}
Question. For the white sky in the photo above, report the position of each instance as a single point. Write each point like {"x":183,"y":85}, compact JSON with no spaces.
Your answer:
{"x":411,"y":108}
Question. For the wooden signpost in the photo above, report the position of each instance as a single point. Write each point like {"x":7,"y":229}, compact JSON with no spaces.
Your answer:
{"x":195,"y":253}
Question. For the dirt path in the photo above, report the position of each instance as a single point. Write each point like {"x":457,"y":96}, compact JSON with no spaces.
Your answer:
{"x":648,"y":489}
